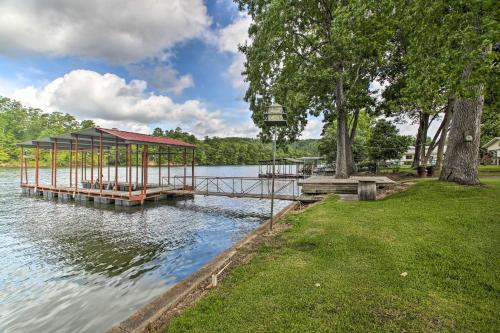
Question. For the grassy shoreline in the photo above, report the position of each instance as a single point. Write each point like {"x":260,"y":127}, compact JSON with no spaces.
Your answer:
{"x":339,"y":268}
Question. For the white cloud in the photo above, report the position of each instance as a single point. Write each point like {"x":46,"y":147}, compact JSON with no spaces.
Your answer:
{"x":228,"y":39}
{"x":111,"y":101}
{"x":313,"y":129}
{"x":234,"y":34}
{"x":162,"y":77}
{"x":115,"y":30}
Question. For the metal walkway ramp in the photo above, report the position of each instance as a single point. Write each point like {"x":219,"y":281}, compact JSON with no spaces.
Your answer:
{"x":238,"y":187}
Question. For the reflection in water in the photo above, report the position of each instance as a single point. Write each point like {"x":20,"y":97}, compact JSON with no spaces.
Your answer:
{"x":68,"y":267}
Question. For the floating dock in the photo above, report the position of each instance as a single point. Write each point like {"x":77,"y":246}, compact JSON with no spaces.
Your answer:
{"x":97,"y":149}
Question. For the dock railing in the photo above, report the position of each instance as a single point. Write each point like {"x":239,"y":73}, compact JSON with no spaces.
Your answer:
{"x":251,"y":187}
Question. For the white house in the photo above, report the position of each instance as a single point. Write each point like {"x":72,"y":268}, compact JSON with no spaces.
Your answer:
{"x":493,"y":149}
{"x":407,"y":157}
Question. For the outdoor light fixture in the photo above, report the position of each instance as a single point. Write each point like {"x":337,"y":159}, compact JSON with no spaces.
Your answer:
{"x":275,"y":117}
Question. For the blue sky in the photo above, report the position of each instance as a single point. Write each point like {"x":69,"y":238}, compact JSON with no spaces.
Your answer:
{"x":134,"y":65}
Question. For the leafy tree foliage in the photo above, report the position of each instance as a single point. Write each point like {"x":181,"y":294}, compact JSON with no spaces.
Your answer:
{"x":314,"y":57}
{"x":238,"y":151}
{"x":359,"y":146}
{"x":385,"y":143}
{"x":19,"y":123}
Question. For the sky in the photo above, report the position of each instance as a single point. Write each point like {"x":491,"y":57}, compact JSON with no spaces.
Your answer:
{"x":133,"y":65}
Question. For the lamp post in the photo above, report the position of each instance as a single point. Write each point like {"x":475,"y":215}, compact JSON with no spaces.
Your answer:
{"x":275,"y":117}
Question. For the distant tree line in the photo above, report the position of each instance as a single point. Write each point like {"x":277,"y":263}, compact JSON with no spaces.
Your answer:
{"x":237,"y":150}
{"x":19,"y":123}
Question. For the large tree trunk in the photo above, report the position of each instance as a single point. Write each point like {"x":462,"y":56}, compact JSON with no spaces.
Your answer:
{"x":444,"y":134}
{"x":433,"y":143}
{"x":423,"y":139}
{"x":461,"y":158}
{"x":351,"y":164}
{"x":418,"y":143}
{"x":341,"y":161}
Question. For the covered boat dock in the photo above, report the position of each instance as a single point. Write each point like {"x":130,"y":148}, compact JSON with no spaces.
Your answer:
{"x":108,"y":166}
{"x":287,"y":167}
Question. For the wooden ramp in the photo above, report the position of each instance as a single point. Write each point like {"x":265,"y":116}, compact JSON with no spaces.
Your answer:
{"x":329,"y":184}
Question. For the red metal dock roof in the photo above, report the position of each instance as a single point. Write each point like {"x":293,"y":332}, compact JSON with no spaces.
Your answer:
{"x":131,"y":136}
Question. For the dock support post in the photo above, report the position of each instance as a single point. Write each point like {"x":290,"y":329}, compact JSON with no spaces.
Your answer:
{"x":51,"y":164}
{"x":192,"y":171}
{"x":168,"y":164}
{"x":70,"y":164}
{"x":129,"y":161}
{"x":144,"y":172}
{"x":83,"y":165}
{"x":159,"y":165}
{"x":76,"y":164}
{"x":142,"y":169}
{"x":185,"y":163}
{"x":21,"y":157}
{"x":85,"y":159}
{"x":100,"y":164}
{"x":37,"y":157}
{"x":55,"y":163}
{"x":136,"y":166}
{"x":91,"y":162}
{"x":116,"y":164}
{"x":109,"y":163}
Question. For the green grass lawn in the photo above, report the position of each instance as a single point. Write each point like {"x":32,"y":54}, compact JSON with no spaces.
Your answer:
{"x":339,"y":269}
{"x":489,"y":170}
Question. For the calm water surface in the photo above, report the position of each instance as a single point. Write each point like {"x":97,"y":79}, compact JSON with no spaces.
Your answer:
{"x":67,"y":267}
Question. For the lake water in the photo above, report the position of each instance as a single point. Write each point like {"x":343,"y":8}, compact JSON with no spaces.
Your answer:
{"x":68,"y":267}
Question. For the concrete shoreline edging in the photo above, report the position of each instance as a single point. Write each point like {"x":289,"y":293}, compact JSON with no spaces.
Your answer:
{"x":149,"y":317}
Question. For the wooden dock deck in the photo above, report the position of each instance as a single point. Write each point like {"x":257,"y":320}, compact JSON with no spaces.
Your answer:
{"x":137,"y":197}
{"x":329,"y":184}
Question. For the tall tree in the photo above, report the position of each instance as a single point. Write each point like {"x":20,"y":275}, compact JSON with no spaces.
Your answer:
{"x":449,"y":50}
{"x":314,"y":57}
{"x":385,"y":143}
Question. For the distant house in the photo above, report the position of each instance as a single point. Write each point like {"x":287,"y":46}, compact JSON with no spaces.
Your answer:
{"x":407,"y":158}
{"x":493,"y":149}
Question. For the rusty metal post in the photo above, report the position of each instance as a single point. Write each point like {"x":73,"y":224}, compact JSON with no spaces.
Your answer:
{"x":99,"y":173}
{"x":85,"y":166}
{"x":136,"y":166}
{"x":51,"y":164}
{"x":129,"y":161}
{"x":185,"y":164}
{"x":146,"y":170}
{"x":70,"y":164}
{"x":76,"y":164}
{"x":168,"y":165}
{"x":55,"y":164}
{"x":109,"y":163}
{"x":159,"y":165}
{"x":36,"y":164}
{"x":92,"y":161}
{"x":192,"y":171}
{"x":116,"y":163}
{"x":21,"y":157}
